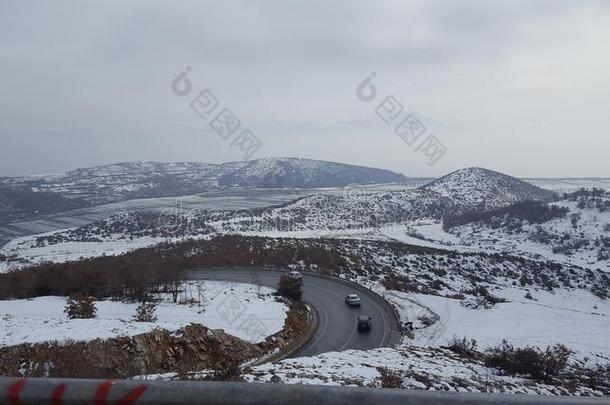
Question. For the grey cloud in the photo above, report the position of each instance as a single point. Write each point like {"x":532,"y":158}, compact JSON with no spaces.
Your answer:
{"x":98,"y":74}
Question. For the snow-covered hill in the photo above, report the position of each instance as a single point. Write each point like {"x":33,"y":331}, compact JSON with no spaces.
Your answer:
{"x":19,"y":196}
{"x":304,"y":173}
{"x":465,"y":191}
{"x":153,"y":179}
{"x":482,"y":189}
{"x":581,"y":235}
{"x":319,"y":214}
{"x":129,"y":180}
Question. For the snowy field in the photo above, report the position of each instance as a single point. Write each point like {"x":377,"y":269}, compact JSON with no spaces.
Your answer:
{"x":472,"y":238}
{"x":80,"y":217}
{"x":420,"y":233}
{"x":575,"y":318}
{"x":228,"y":306}
{"x":570,"y":185}
{"x":230,"y":200}
{"x":25,"y":248}
{"x":590,"y":226}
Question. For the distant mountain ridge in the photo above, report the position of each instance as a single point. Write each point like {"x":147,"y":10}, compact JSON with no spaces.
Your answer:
{"x":305,"y":173}
{"x":151,"y":177}
{"x":135,"y":180}
{"x":465,"y":191}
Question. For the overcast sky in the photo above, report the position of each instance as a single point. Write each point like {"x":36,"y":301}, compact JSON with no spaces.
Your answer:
{"x":521,"y":87}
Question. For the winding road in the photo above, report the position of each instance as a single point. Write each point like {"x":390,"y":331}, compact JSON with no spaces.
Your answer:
{"x":336,"y":327}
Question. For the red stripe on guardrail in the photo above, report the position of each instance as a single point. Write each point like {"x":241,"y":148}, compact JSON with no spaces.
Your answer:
{"x":104,"y":389}
{"x":133,"y":396}
{"x":13,"y":391}
{"x":102,"y":392}
{"x":57,"y":394}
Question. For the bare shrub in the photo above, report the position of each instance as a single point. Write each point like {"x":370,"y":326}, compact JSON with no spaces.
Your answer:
{"x":555,"y":359}
{"x":484,"y":294}
{"x":80,"y":306}
{"x":290,"y":287}
{"x":145,"y":312}
{"x":600,"y":291}
{"x":464,"y":347}
{"x":426,"y":320}
{"x":458,"y":296}
{"x":598,"y":378}
{"x":399,"y":282}
{"x":540,"y":365}
{"x":224,"y":368}
{"x":390,"y":378}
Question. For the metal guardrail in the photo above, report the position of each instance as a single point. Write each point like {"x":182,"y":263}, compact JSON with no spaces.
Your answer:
{"x":99,"y":392}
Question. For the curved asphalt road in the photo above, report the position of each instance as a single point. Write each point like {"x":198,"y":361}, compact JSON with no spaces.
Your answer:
{"x":336,"y":321}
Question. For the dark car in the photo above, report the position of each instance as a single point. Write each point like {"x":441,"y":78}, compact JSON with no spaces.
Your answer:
{"x":365,"y":323}
{"x":295,"y":275}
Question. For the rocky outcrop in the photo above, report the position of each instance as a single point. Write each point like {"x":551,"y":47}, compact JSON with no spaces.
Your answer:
{"x":193,"y":347}
{"x":298,"y":328}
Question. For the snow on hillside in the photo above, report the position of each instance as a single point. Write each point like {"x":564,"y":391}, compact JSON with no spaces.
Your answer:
{"x":122,"y":181}
{"x":340,"y":215}
{"x":463,"y":294}
{"x":530,"y":283}
{"x":566,"y":185}
{"x":575,"y":318}
{"x":483,"y":189}
{"x":304,"y":173}
{"x":24,"y":251}
{"x":355,"y":209}
{"x":415,"y":368}
{"x":42,"y":319}
{"x":581,"y":237}
{"x":130,"y":180}
{"x":328,"y":215}
{"x":333,"y":212}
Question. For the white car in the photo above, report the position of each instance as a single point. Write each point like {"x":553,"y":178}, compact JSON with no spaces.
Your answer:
{"x":295,"y":275}
{"x":353,"y":300}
